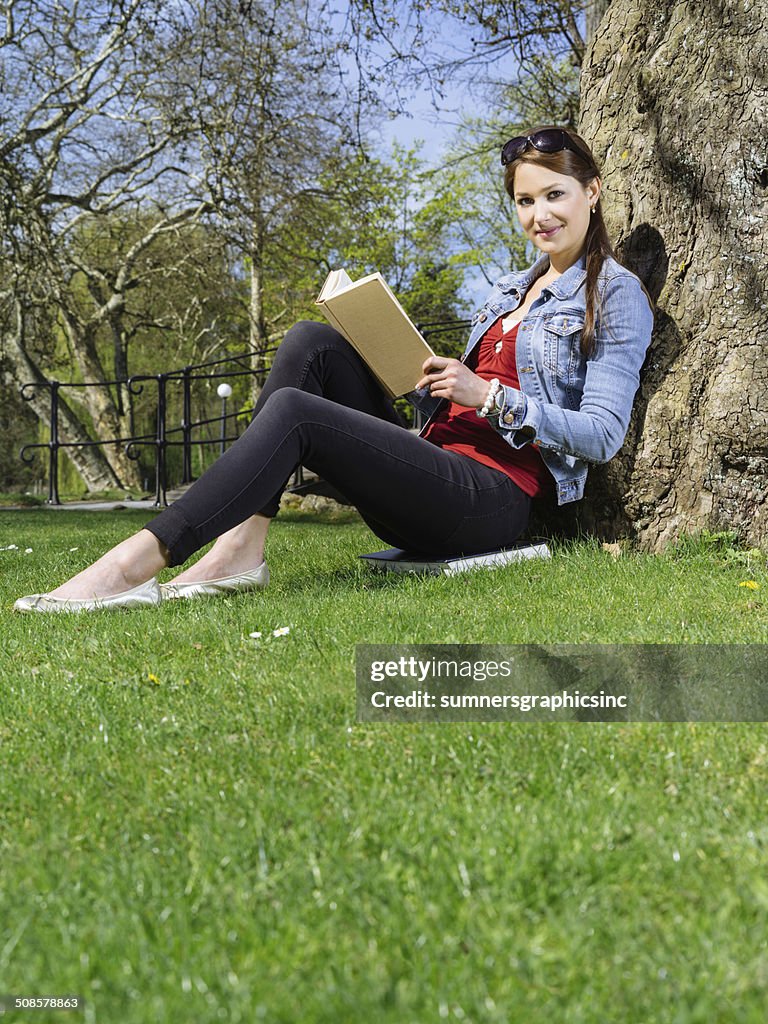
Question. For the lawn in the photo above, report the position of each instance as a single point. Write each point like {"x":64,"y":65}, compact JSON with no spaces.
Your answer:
{"x":195,"y":828}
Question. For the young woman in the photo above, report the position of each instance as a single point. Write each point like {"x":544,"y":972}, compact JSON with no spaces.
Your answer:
{"x":545,"y":386}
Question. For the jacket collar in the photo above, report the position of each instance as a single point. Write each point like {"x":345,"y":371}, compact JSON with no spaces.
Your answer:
{"x":563,"y":287}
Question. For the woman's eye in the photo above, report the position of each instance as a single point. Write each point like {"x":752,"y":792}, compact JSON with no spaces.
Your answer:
{"x":554,"y":192}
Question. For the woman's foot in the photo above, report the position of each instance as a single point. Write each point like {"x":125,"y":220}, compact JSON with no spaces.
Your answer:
{"x":239,"y":551}
{"x":144,"y":594}
{"x":255,"y":579}
{"x":132,"y":562}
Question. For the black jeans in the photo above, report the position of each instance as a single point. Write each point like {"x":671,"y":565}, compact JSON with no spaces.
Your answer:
{"x":322,"y":408}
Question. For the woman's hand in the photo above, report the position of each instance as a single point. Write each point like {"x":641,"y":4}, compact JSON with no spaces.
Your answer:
{"x":448,"y":378}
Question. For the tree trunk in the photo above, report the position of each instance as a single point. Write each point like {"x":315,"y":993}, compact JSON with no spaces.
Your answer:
{"x":127,"y":468}
{"x":100,"y":403}
{"x":259,"y":336}
{"x":675,"y":102}
{"x":89,"y":461}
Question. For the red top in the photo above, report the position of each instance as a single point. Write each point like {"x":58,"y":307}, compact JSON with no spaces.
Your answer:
{"x":459,"y":429}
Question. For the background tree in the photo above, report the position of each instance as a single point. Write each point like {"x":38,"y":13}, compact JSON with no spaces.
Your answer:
{"x":78,"y":142}
{"x":180,"y":305}
{"x":264,"y":89}
{"x":387,"y":215}
{"x":100,"y":170}
{"x":483,"y":45}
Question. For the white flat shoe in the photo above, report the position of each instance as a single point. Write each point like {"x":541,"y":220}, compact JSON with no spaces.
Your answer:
{"x":145,"y":594}
{"x":256,"y":579}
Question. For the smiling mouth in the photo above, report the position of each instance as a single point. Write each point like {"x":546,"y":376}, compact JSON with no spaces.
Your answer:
{"x":548,"y":234}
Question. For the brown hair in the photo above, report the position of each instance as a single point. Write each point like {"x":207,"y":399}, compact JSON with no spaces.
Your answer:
{"x":584,"y":169}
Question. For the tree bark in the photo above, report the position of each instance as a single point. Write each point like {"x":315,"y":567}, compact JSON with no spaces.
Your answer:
{"x":100,"y":403}
{"x":595,"y":12}
{"x":675,"y":103}
{"x":258,"y":333}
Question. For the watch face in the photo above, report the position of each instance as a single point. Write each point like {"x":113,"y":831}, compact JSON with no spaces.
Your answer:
{"x":498,"y":399}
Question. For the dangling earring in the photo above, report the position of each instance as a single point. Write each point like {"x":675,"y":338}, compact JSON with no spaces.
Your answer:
{"x":592,"y":209}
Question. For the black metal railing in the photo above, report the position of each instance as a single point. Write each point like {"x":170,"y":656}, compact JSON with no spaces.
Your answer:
{"x":53,"y":444}
{"x":163,"y":437}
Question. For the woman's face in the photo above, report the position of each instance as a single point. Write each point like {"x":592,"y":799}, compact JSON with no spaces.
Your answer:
{"x":546,"y":200}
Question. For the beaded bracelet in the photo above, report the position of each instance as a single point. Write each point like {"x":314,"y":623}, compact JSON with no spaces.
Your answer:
{"x":488,"y":403}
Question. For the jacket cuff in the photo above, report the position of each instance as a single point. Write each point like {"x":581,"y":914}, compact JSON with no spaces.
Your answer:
{"x":518,"y":418}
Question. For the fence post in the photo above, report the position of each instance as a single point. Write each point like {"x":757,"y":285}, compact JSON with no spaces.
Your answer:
{"x":53,"y":448}
{"x":224,"y":390}
{"x":160,"y":443}
{"x":186,"y":428}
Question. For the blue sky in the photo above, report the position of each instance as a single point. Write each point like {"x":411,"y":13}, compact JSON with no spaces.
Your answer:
{"x":434,"y":127}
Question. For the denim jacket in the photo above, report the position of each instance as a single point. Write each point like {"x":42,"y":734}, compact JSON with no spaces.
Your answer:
{"x":575,"y":409}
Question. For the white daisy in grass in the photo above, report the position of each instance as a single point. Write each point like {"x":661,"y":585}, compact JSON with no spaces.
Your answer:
{"x":256,"y":635}
{"x":281,"y":631}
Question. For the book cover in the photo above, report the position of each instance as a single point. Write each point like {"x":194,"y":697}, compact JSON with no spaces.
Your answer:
{"x":397,"y":560}
{"x":367,"y":313}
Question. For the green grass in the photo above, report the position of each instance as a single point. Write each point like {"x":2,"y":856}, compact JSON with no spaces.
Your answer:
{"x":13,"y":498}
{"x":193,"y":827}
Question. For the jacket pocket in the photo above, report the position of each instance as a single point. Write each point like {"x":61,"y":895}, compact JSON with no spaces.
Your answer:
{"x":562,"y":353}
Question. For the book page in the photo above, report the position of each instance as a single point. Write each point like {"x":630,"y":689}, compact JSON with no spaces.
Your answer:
{"x":336,"y":281}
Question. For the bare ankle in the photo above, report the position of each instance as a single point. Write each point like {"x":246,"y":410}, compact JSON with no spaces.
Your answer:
{"x":140,"y":557}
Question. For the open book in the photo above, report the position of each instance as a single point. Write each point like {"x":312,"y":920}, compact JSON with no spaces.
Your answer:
{"x":369,"y":316}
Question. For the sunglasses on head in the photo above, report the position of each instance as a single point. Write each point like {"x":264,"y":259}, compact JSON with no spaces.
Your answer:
{"x":551,"y":140}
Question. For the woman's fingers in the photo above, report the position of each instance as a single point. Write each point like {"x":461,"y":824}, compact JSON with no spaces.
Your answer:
{"x":435,"y":363}
{"x":433,"y":369}
{"x":454,"y":381}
